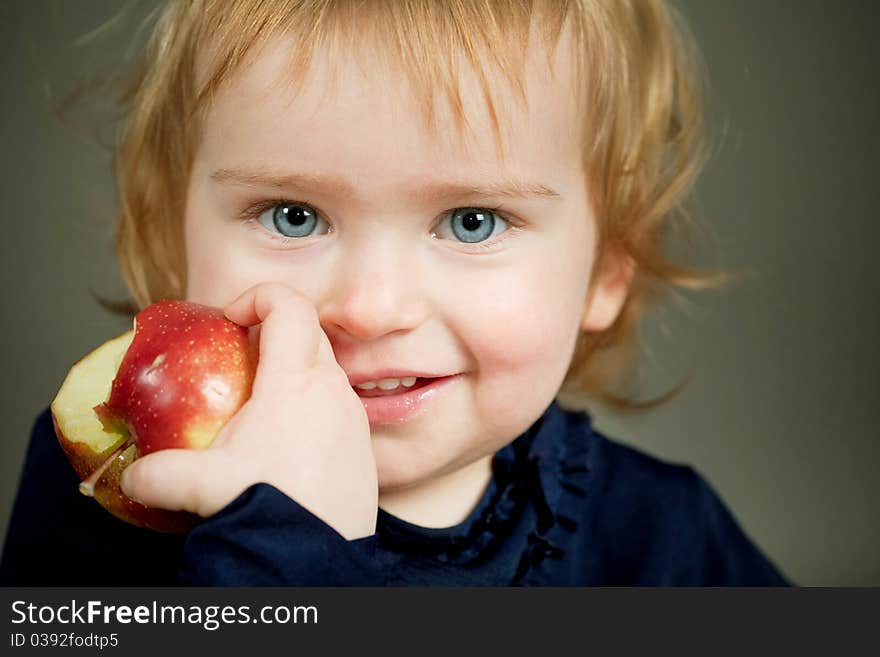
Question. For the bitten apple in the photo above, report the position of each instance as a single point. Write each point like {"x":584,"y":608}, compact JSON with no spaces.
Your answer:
{"x":172,"y":382}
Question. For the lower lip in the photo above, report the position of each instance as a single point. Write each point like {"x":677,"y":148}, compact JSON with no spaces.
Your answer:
{"x":394,"y":409}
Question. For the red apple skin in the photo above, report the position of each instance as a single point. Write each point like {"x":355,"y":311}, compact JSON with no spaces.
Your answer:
{"x":186,"y":372}
{"x":180,"y":400}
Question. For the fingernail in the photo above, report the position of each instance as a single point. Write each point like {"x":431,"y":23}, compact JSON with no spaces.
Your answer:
{"x":124,"y":483}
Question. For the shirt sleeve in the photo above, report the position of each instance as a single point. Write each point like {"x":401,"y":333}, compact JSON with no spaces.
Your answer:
{"x":265,"y":538}
{"x":729,"y":557}
{"x":696,"y":541}
{"x":59,"y":537}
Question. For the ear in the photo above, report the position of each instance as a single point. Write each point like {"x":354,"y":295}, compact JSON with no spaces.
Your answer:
{"x":608,"y":290}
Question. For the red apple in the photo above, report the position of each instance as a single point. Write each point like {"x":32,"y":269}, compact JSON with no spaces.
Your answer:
{"x":172,"y":382}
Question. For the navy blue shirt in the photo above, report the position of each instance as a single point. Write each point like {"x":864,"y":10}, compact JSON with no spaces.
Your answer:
{"x":565,"y":506}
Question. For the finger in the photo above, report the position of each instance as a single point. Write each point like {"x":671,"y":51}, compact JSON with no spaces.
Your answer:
{"x":325,"y":350}
{"x":179,"y":480}
{"x":289,"y":340}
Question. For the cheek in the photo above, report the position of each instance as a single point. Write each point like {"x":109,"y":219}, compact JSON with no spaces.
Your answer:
{"x":219,"y":266}
{"x":520,"y":339}
{"x":527,"y":332}
{"x":209,"y":274}
{"x":524,"y":322}
{"x":520,"y":330}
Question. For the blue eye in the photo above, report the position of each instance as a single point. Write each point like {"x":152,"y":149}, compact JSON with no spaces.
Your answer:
{"x":291,"y":219}
{"x":471,"y":225}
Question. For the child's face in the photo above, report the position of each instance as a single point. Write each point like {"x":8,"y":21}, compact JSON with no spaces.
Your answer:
{"x":407,"y":278}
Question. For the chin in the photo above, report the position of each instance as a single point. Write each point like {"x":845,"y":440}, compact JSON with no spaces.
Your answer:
{"x":398,"y":477}
{"x":399,"y":465}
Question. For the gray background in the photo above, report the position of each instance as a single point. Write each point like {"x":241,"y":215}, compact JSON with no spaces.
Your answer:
{"x":781,"y":411}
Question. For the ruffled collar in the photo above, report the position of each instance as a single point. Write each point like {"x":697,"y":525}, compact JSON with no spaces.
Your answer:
{"x":545,"y":467}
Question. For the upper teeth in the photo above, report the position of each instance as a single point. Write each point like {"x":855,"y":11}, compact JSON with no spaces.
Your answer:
{"x":387,"y":384}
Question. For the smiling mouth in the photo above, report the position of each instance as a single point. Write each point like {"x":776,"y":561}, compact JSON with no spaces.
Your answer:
{"x":399,"y":390}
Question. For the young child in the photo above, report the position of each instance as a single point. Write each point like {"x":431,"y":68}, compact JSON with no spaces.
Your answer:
{"x":436,"y":216}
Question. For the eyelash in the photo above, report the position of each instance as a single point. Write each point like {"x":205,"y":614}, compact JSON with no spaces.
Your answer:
{"x":250,"y":216}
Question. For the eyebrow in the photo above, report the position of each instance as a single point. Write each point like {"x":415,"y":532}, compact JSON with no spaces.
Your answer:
{"x":336,"y":185}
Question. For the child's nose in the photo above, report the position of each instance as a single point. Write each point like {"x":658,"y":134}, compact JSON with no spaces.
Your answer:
{"x":377,"y":293}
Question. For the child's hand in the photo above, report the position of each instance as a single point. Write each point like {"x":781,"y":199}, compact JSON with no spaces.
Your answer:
{"x":303,"y":430}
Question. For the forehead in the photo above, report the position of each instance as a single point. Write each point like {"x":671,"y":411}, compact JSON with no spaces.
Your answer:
{"x":356,"y":115}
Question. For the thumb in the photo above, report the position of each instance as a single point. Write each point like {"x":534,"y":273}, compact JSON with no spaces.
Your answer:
{"x":180,"y":480}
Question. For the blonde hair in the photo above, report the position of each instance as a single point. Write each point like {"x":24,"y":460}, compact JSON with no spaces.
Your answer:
{"x":644,"y":139}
